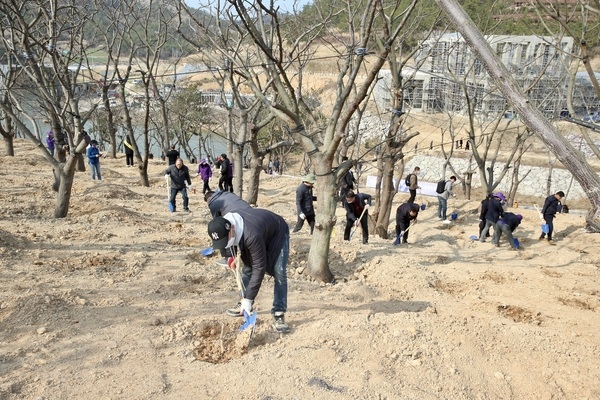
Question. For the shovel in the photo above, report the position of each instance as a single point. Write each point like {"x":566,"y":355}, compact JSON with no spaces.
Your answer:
{"x":358,"y":220}
{"x":545,"y":227}
{"x":423,"y":205}
{"x":250,"y":320}
{"x":400,"y":237}
{"x":169,"y":194}
{"x":207,"y":252}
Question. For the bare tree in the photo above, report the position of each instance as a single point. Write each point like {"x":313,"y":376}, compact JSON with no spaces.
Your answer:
{"x":48,"y":43}
{"x":573,"y":160}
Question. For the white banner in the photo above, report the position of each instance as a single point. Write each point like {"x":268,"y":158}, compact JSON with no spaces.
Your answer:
{"x":427,"y":188}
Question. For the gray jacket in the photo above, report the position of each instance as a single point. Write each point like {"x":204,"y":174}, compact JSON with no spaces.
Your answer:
{"x":447,"y":190}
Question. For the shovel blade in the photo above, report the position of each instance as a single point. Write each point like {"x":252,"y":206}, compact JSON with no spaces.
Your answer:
{"x":250,"y":321}
{"x":545,"y":228}
{"x":207,"y":252}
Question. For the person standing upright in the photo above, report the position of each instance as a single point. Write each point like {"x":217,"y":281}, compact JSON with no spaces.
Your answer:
{"x":93,"y":155}
{"x":128,"y":152}
{"x":172,"y":155}
{"x":179,"y":176}
{"x":357,"y":206}
{"x":483,"y":209}
{"x":304,"y":203}
{"x":205,"y":173}
{"x":413,"y":181}
{"x":549,"y":210}
{"x":225,"y":169}
{"x":347,"y":181}
{"x":50,"y":142}
{"x":443,"y":198}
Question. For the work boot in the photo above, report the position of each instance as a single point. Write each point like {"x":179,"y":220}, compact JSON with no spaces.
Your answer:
{"x":552,"y":242}
{"x":365,"y":241}
{"x":279,"y":322}
{"x":235,"y":311}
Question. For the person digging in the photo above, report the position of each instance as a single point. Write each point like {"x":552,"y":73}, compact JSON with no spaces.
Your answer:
{"x":261,"y":240}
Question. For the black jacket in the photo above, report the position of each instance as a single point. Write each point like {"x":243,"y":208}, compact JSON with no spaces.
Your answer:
{"x":265,"y":234}
{"x":179,"y":177}
{"x":172,"y":155}
{"x":304,"y":200}
{"x":495,"y":210}
{"x":403,"y":216}
{"x":354,"y":209}
{"x":511,"y":220}
{"x":225,"y":166}
{"x":484,"y":208}
{"x":221,"y":203}
{"x":550,"y":205}
{"x":348,"y":180}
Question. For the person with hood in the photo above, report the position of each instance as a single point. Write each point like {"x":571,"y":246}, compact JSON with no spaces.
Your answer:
{"x":304,"y":203}
{"x":551,"y":206}
{"x":179,"y":177}
{"x":205,"y":173}
{"x":507,"y":225}
{"x":261,"y":240}
{"x":93,"y":155}
{"x":493,"y":214}
{"x":405,"y":214}
{"x":225,"y":169}
{"x":347,"y":181}
{"x":357,"y":212}
{"x":50,"y":143}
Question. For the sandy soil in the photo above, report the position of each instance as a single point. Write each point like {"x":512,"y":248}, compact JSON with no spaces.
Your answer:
{"x":116,"y":302}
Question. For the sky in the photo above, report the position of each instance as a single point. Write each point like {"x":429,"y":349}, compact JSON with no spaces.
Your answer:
{"x":286,"y":5}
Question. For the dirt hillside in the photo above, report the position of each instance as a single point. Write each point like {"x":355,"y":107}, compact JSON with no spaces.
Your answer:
{"x":116,"y":302}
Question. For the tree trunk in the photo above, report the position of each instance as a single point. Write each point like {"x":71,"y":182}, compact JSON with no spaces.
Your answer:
{"x":9,"y":145}
{"x":66,"y":171}
{"x":318,"y":260}
{"x":384,"y":206}
{"x":253,"y":180}
{"x":573,"y":160}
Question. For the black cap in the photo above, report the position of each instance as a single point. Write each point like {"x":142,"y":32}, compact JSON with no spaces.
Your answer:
{"x":218,"y":230}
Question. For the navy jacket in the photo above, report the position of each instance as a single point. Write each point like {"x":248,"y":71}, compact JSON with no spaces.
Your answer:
{"x":494,"y":211}
{"x":550,"y":205}
{"x":403,"y":216}
{"x":221,"y":203}
{"x":511,"y":220}
{"x":354,"y":209}
{"x":260,"y":246}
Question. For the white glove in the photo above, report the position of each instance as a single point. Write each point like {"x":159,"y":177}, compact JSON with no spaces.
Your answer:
{"x":167,"y":176}
{"x":302,"y":216}
{"x":246,"y":306}
{"x":367,"y":206}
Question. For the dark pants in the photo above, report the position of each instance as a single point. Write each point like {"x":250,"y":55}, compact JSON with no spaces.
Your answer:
{"x":300,"y":223}
{"x":205,"y":188}
{"x":413,"y":194}
{"x":184,"y":196}
{"x":402,"y":228}
{"x":364,"y":224}
{"x":223,"y":183}
{"x":230,"y":183}
{"x":129,"y":159}
{"x":549,"y":218}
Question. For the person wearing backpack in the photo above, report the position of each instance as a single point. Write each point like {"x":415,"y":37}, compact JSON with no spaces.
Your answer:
{"x":412,"y":182}
{"x":443,"y":198}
